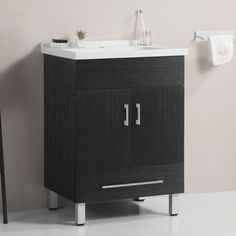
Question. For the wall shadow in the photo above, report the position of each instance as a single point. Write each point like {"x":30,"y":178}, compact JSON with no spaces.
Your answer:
{"x":203,"y":62}
{"x":21,"y":102}
{"x":131,"y":22}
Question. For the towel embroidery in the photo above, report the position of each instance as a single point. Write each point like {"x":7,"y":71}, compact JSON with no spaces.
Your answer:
{"x":222,"y":51}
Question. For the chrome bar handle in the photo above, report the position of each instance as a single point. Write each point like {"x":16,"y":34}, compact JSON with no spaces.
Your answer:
{"x":161,"y":181}
{"x":138,"y":121}
{"x":126,"y":121}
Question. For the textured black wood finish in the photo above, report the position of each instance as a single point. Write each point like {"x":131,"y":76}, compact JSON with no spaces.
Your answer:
{"x":59,"y":133}
{"x":59,"y":78}
{"x":103,"y":140}
{"x":86,"y":142}
{"x":159,"y":139}
{"x":129,"y":73}
{"x":89,"y":185}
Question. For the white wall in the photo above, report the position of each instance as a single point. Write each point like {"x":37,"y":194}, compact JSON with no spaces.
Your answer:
{"x":210,"y":92}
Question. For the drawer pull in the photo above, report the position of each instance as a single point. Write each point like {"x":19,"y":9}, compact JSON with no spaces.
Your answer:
{"x":126,"y":121}
{"x":138,"y":121}
{"x":132,"y":184}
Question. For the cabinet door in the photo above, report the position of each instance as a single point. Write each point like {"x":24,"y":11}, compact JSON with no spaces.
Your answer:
{"x":158,"y":126}
{"x":102,"y":135}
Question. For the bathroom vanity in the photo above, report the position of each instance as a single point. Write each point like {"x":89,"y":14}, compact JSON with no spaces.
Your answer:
{"x":114,"y":124}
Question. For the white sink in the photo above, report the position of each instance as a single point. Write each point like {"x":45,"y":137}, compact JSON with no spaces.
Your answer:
{"x":113,"y":45}
{"x":148,"y":48}
{"x":125,"y":48}
{"x":110,"y":49}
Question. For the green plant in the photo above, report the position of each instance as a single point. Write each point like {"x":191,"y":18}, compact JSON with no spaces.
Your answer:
{"x":81,"y":34}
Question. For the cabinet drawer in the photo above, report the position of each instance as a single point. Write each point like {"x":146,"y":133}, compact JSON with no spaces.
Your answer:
{"x":129,"y":73}
{"x":129,"y":183}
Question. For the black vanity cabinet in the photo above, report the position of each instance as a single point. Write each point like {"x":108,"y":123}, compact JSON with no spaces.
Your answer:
{"x":114,"y":128}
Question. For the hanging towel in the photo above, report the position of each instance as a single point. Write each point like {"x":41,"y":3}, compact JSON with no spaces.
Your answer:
{"x":221,"y":49}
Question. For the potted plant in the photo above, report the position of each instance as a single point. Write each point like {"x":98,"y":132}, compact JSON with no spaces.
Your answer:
{"x":82,"y":35}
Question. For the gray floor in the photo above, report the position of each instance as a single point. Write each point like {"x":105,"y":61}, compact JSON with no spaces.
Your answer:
{"x":200,"y":215}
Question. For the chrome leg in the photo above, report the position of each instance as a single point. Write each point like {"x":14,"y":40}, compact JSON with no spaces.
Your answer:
{"x":80,"y":214}
{"x":139,"y":199}
{"x":52,"y":200}
{"x":173,"y":204}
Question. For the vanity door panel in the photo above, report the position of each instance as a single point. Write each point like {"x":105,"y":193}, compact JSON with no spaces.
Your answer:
{"x":158,"y":130}
{"x":102,"y":137}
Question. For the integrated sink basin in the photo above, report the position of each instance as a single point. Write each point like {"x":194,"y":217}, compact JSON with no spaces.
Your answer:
{"x":110,"y":49}
{"x":148,"y":48}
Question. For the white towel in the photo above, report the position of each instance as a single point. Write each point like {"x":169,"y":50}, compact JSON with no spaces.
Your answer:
{"x":221,"y":49}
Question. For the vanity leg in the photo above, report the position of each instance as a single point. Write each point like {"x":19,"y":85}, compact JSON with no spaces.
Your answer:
{"x":173,"y":204}
{"x":139,"y":199}
{"x":80,"y":214}
{"x":52,"y":200}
